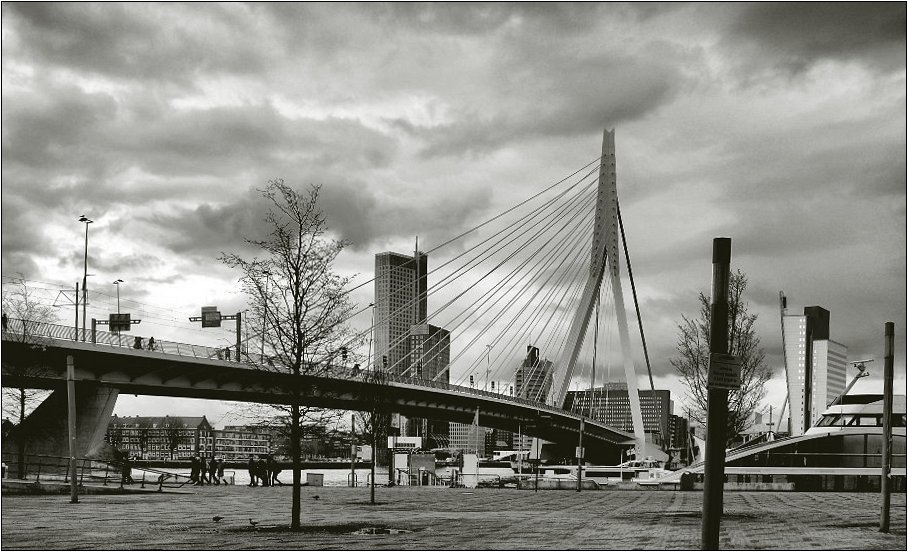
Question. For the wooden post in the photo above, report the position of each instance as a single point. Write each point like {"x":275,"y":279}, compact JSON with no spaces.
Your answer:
{"x":580,"y":456}
{"x":885,"y":475}
{"x":239,"y":337}
{"x":71,"y":402}
{"x":353,"y":450}
{"x":717,"y":401}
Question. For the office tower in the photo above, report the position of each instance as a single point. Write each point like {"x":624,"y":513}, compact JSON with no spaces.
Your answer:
{"x":405,"y":344}
{"x":533,"y":378}
{"x":400,"y":303}
{"x":813,"y":385}
{"x":611,"y":405}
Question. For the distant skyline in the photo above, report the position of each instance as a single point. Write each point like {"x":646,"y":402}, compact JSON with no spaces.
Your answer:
{"x":781,"y":126}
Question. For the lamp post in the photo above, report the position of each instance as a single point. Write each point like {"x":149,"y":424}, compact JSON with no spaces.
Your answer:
{"x":265,"y":314}
{"x":485,"y":387}
{"x":117,"y":283}
{"x":372,"y":330}
{"x":87,"y":221}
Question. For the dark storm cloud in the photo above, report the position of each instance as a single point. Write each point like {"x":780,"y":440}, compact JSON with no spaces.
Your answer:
{"x":78,"y":145}
{"x":797,"y":34}
{"x":135,"y":41}
{"x":555,"y":96}
{"x":354,"y":213}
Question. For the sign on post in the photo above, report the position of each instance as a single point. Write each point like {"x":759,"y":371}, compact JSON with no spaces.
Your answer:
{"x":724,"y":371}
{"x":119,"y":322}
{"x":211,"y":317}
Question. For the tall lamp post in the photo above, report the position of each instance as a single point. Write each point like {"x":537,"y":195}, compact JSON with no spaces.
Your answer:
{"x":117,"y":283}
{"x":87,"y":221}
{"x":265,"y":314}
{"x":371,"y":334}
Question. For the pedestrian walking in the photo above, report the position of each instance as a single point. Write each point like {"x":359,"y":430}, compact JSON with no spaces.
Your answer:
{"x":221,"y":470}
{"x":5,"y":321}
{"x":194,"y":470}
{"x":274,"y":469}
{"x":227,"y":352}
{"x":151,"y":343}
{"x":126,"y":473}
{"x":213,"y":471}
{"x":137,"y":344}
{"x":262,"y":471}
{"x":252,"y":467}
{"x":203,"y":471}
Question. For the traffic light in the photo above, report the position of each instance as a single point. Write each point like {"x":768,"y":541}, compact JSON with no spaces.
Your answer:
{"x":344,"y":354}
{"x":493,"y":387}
{"x":471,"y":381}
{"x":384,"y":361}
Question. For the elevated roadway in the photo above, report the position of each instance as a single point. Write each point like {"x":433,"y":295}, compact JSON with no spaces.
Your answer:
{"x":181,"y":370}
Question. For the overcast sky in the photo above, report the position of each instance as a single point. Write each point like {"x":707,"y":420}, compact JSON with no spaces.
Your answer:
{"x":780,"y":126}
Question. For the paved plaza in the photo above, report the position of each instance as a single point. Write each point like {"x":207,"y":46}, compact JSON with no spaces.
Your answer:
{"x":446,"y":519}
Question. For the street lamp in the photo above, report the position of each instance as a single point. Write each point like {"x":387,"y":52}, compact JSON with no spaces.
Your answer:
{"x":485,"y":386}
{"x":117,"y":283}
{"x":87,"y":221}
{"x":267,"y":275}
{"x":371,"y":334}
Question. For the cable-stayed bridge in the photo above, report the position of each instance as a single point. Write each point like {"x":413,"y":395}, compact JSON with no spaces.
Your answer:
{"x":544,"y":274}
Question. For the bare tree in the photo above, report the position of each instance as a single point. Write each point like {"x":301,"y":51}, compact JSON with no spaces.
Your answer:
{"x":22,"y":313}
{"x":174,"y":433}
{"x":297,"y":299}
{"x":743,"y":341}
{"x":375,"y":420}
{"x":143,"y":429}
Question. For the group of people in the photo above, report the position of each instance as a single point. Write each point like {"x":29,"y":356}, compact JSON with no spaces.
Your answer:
{"x":204,"y":471}
{"x":263,"y":470}
{"x":137,"y":343}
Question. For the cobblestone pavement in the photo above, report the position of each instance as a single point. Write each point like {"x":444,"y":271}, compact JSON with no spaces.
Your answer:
{"x":447,"y":519}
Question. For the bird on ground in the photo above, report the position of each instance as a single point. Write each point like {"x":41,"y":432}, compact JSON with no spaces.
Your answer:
{"x":217,"y":518}
{"x":315,"y":497}
{"x":253,"y":522}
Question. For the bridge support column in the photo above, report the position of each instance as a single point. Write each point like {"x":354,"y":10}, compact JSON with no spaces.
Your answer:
{"x":46,"y":432}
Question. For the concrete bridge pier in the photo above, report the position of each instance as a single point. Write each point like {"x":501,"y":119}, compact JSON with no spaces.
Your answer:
{"x":45,"y":430}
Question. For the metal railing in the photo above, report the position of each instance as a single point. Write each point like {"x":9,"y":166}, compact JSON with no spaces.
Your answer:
{"x":48,"y":468}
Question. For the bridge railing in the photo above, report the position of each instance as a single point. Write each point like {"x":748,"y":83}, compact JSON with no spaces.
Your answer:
{"x":48,"y":468}
{"x":33,"y":331}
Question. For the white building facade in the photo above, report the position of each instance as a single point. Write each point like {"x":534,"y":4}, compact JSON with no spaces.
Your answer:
{"x":812,"y":385}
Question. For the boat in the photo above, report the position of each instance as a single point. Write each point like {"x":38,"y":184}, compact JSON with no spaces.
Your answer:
{"x":841,"y":452}
{"x":636,"y":471}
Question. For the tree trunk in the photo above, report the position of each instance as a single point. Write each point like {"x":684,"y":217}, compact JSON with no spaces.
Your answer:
{"x":295,"y":459}
{"x":372,"y":479}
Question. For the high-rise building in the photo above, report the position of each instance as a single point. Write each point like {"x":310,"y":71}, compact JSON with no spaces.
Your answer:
{"x":679,"y":439}
{"x":405,"y":344}
{"x":611,"y":405}
{"x":400,"y":303}
{"x":533,"y":378}
{"x":812,"y":385}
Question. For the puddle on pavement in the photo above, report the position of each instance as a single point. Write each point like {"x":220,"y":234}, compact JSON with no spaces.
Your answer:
{"x":341,"y":529}
{"x":380,"y":531}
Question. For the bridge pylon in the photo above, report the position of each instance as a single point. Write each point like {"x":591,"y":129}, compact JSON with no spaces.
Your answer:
{"x":604,"y":257}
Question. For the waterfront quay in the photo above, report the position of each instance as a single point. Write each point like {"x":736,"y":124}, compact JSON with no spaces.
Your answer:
{"x":438,"y":518}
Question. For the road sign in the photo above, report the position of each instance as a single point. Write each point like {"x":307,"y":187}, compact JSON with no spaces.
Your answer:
{"x":119,"y":322}
{"x":211,"y":317}
{"x":579,"y":452}
{"x":724,"y":371}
